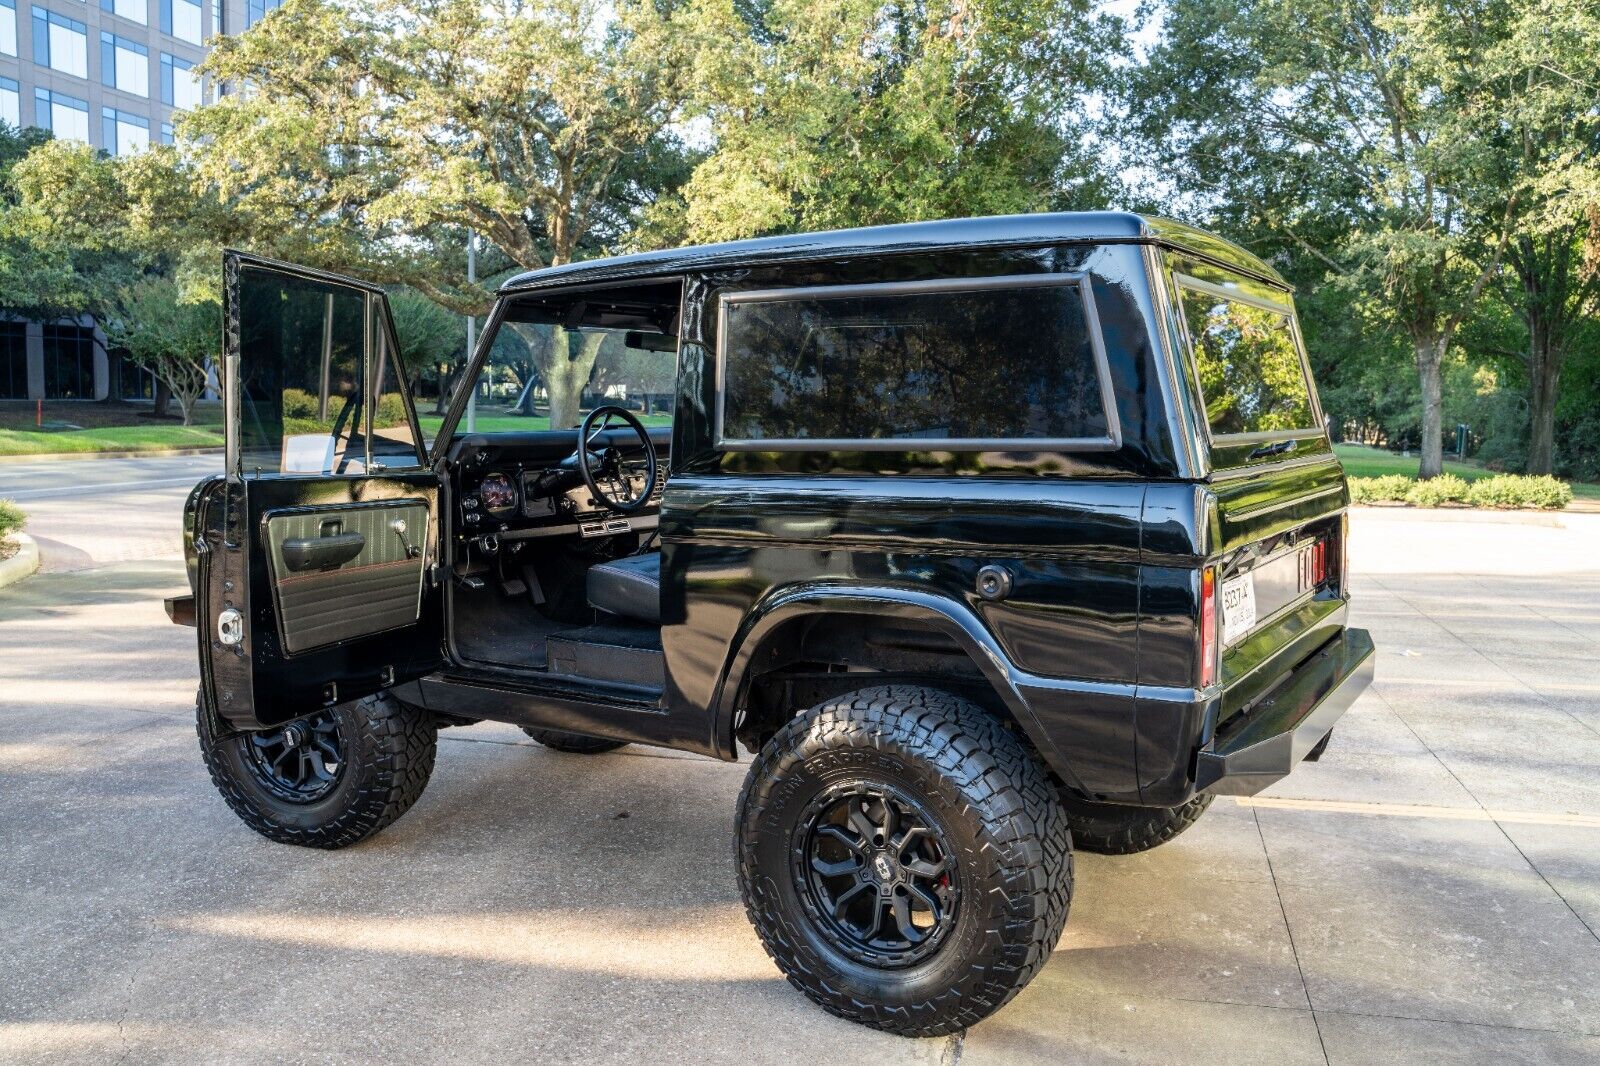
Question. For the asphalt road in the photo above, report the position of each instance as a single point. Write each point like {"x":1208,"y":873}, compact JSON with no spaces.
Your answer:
{"x":88,"y":513}
{"x":1429,"y":891}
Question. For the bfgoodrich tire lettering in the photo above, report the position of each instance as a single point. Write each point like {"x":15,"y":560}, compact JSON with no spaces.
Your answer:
{"x":1109,"y":829}
{"x":998,"y":819}
{"x":386,"y":752}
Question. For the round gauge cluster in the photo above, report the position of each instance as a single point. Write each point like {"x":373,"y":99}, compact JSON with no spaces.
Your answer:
{"x":498,"y":493}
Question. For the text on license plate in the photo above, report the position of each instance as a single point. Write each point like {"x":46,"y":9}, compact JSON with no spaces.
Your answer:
{"x":1238,"y":607}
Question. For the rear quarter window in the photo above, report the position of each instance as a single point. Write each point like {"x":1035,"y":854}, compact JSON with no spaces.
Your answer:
{"x":1247,"y":360}
{"x":962,"y":363}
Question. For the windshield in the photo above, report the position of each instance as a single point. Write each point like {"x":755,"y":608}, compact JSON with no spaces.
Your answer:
{"x":540,"y":375}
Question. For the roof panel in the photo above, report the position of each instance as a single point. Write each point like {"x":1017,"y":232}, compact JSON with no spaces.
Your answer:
{"x":999,"y":231}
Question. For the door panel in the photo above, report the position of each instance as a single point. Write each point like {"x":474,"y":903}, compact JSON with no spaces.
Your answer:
{"x":367,"y":578}
{"x":315,"y":581}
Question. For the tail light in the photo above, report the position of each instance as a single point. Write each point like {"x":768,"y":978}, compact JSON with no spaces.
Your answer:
{"x":1208,"y":627}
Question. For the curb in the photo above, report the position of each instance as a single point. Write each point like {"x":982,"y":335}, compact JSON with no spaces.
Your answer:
{"x":22,"y":564}
{"x":67,"y":457}
{"x":1548,"y":519}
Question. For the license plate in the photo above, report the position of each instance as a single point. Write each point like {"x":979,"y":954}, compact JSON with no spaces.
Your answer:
{"x":1238,"y":607}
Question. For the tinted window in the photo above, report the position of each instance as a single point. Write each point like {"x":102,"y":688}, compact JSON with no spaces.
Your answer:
{"x":1251,"y":376}
{"x":1007,"y":361}
{"x":302,"y":356}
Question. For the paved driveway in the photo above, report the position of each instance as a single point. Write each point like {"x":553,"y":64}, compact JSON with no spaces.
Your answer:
{"x":1430,"y":890}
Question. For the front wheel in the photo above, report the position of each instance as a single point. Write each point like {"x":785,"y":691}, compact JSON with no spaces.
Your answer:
{"x":326,"y":780}
{"x":904,"y":859}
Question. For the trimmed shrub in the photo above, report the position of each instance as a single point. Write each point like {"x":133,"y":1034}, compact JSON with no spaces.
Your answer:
{"x":1446,"y":488}
{"x":1517,"y":490}
{"x":11,"y":518}
{"x":1390,"y":488}
{"x":299,"y":404}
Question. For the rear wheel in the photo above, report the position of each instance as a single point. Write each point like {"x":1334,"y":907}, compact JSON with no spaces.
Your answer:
{"x":904,"y":859}
{"x":1111,"y":829}
{"x":327,"y":780}
{"x":573,"y":743}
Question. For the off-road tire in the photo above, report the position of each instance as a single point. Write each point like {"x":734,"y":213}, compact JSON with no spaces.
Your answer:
{"x":1011,"y":846}
{"x":388,"y":749}
{"x":573,"y":743}
{"x":1111,"y":829}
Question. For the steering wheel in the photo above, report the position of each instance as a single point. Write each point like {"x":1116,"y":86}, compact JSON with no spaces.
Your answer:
{"x":612,"y":466}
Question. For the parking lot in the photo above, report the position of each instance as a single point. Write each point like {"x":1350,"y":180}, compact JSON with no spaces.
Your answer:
{"x":1429,"y":890}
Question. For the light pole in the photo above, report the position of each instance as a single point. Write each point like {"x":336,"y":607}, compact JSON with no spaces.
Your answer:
{"x":472,"y":333}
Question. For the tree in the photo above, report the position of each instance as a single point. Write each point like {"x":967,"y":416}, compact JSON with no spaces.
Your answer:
{"x":853,"y":112}
{"x":179,"y":342}
{"x":432,"y":345}
{"x":376,"y":135}
{"x":1532,"y":111}
{"x":1337,"y":118}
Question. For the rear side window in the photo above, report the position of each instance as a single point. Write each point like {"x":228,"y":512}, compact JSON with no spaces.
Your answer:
{"x":1251,"y":376}
{"x":971,"y":363}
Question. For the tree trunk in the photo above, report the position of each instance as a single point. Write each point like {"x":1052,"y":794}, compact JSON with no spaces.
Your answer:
{"x":565,"y":364}
{"x":186,"y":408}
{"x":1544,"y":379}
{"x":1430,"y":359}
{"x":163,"y":399}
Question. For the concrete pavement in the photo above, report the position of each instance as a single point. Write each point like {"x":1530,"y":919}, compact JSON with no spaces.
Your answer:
{"x":88,"y":514}
{"x":1429,"y":890}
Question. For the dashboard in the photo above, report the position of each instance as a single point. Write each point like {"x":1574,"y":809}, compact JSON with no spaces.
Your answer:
{"x":515,"y":490}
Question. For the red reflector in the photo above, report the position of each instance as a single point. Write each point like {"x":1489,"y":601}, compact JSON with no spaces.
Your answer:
{"x":1208,"y":627}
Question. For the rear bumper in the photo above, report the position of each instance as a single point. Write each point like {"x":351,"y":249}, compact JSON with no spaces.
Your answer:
{"x":1281,"y":730}
{"x":181,"y":610}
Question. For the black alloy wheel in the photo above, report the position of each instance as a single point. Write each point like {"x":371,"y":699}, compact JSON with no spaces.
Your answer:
{"x":299,"y":763}
{"x":327,"y":780}
{"x":876,"y":874}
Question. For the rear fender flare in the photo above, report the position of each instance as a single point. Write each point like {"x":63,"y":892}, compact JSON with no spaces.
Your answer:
{"x":955,"y":620}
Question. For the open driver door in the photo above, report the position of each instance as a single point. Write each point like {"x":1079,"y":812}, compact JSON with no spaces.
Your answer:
{"x":315,"y":555}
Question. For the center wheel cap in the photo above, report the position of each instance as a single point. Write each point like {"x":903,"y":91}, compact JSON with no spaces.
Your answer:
{"x":883,"y":867}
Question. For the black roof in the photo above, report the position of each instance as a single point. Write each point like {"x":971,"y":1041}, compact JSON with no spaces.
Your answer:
{"x":999,"y":231}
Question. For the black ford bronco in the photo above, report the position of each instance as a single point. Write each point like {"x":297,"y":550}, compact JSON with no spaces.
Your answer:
{"x":986,"y":538}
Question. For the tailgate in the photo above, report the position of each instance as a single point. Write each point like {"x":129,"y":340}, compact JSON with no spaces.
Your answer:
{"x":1280,"y":570}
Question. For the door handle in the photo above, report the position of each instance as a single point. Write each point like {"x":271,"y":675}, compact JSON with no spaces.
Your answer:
{"x":322,"y":553}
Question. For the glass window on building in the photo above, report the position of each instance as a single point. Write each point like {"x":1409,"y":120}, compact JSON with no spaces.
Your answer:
{"x":60,"y":43}
{"x":8,"y":27}
{"x":13,"y":361}
{"x":122,"y":132}
{"x":10,"y":102}
{"x":182,"y":19}
{"x":168,"y":135}
{"x":134,"y":382}
{"x":124,"y":64}
{"x":180,"y":85}
{"x":68,"y":362}
{"x":256,"y":10}
{"x":132,"y":10}
{"x":65,"y":116}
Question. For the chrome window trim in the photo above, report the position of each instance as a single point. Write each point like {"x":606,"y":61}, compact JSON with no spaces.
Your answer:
{"x":1080,"y":280}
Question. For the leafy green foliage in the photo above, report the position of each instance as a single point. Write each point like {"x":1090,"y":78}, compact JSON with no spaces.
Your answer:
{"x":1500,"y":491}
{"x":1446,"y":488}
{"x":1390,"y":488}
{"x":11,"y":518}
{"x":177,"y":339}
{"x":853,"y":112}
{"x":1516,"y":490}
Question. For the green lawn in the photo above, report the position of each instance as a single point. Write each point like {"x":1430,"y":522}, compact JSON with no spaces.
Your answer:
{"x":109,"y":439}
{"x":1362,"y":461}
